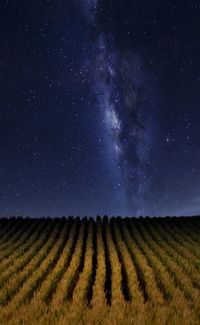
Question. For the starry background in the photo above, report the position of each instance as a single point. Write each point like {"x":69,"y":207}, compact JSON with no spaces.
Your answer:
{"x":99,"y":107}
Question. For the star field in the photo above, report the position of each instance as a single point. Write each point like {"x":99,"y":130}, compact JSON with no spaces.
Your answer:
{"x":99,"y":109}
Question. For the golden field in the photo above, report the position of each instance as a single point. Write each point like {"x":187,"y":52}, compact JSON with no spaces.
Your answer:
{"x":103,"y":271}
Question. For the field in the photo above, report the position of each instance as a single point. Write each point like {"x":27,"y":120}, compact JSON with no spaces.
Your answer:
{"x":103,"y":271}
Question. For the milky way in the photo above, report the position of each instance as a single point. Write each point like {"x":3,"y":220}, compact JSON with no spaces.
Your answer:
{"x":119,"y":81}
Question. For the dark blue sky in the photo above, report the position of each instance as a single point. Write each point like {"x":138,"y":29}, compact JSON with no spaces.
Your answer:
{"x":99,"y":107}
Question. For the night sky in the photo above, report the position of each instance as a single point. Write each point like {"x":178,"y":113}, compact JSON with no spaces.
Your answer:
{"x":99,"y":107}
